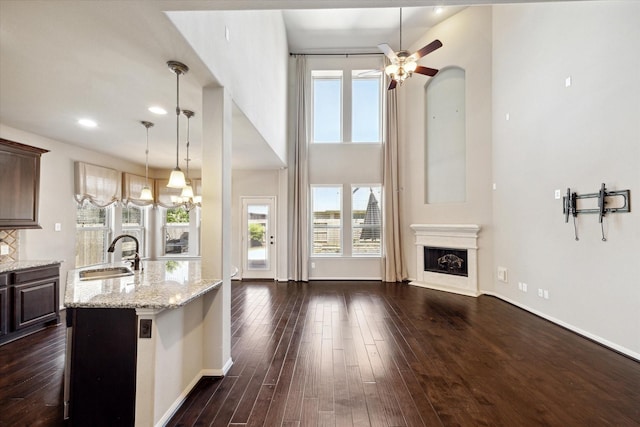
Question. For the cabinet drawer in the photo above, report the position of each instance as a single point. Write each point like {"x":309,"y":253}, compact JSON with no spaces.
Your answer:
{"x":36,"y":274}
{"x":34,"y":303}
{"x":4,"y":279}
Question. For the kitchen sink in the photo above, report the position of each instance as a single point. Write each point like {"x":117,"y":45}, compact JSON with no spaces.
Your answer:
{"x":105,"y":273}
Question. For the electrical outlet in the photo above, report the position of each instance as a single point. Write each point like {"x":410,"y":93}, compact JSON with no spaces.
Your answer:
{"x":502,"y":274}
{"x":313,"y":265}
{"x":524,"y":287}
{"x":57,"y":226}
{"x":145,"y":328}
{"x":546,"y":294}
{"x":540,"y":293}
{"x":520,"y":285}
{"x":556,"y":194}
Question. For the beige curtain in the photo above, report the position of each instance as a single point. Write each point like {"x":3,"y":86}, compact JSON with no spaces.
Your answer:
{"x":132,"y":187}
{"x":299,"y":180}
{"x":394,"y":268}
{"x":164,"y":195}
{"x":98,"y":185}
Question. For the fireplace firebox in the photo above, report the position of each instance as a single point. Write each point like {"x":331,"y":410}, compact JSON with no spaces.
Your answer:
{"x":446,"y":261}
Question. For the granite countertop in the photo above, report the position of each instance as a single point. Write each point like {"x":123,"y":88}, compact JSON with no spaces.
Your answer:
{"x":161,"y":284}
{"x":21,"y":265}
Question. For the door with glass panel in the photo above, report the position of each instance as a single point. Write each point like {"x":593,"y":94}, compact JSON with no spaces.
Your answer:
{"x":258,"y":238}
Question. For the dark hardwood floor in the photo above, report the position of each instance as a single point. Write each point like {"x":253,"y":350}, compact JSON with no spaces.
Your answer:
{"x":370,"y":354}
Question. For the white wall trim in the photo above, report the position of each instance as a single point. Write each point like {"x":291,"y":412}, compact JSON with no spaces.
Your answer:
{"x":613,"y":346}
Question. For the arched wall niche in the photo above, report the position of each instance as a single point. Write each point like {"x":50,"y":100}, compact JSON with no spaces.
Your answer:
{"x":445,"y":137}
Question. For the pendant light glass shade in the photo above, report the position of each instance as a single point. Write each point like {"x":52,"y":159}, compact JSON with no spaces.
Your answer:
{"x":145,"y":194}
{"x":176,"y":180}
{"x":187,"y":192}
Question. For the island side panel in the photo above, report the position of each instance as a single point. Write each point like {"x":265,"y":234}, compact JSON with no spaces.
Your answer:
{"x":103,"y":367}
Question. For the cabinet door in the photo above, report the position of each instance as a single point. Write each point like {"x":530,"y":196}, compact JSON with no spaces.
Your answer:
{"x":19,"y":184}
{"x":3,"y":311}
{"x":35,"y":302}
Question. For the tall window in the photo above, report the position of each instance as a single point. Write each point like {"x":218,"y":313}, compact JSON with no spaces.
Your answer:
{"x":327,"y":220}
{"x":347,"y":106}
{"x":176,"y":231}
{"x":92,"y":234}
{"x":366,"y":111}
{"x":327,"y":106}
{"x":133,"y":222}
{"x":365,"y":220}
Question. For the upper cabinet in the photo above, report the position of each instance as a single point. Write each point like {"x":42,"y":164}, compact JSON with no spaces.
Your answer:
{"x":19,"y":185}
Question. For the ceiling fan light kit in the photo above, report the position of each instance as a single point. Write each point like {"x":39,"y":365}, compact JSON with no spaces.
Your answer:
{"x":403,"y":64}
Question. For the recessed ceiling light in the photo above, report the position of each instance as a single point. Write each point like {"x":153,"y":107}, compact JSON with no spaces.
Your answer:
{"x":87,"y":123}
{"x":157,"y":110}
{"x":438,"y":10}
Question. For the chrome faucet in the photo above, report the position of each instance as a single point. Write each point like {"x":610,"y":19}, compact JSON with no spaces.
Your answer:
{"x":136,"y":258}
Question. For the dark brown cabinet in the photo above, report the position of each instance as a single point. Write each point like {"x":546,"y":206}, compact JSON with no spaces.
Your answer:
{"x":29,"y":301}
{"x":19,"y":184}
{"x":4,"y":306}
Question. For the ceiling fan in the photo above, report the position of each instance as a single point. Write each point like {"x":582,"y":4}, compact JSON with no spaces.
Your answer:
{"x":403,"y":64}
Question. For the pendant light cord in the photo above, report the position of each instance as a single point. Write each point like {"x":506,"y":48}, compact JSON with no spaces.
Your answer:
{"x":177,"y":118}
{"x":146,"y":161}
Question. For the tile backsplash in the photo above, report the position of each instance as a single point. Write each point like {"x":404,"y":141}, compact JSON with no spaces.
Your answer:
{"x":10,"y":238}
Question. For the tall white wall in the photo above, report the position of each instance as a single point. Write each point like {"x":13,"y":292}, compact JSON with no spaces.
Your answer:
{"x":579,"y":137}
{"x":251,"y":64}
{"x":466,"y":39}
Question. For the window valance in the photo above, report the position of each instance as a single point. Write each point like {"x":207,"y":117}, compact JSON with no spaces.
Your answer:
{"x":163,"y":194}
{"x":132,"y":187}
{"x":99,"y":185}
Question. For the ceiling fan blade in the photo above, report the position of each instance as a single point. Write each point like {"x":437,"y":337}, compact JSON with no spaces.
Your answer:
{"x":436,"y":44}
{"x":426,"y":71}
{"x":392,"y":84}
{"x":386,"y":49}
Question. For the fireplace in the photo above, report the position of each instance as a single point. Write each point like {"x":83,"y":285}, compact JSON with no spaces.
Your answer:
{"x":447,"y":257}
{"x":446,"y":261}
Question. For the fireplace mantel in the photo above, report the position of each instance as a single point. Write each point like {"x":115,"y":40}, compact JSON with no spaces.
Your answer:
{"x":454,"y":236}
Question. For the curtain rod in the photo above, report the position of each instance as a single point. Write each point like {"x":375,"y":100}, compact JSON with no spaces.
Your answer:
{"x":337,"y":54}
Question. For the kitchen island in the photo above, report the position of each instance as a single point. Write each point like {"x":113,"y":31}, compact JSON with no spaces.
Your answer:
{"x":137,"y":344}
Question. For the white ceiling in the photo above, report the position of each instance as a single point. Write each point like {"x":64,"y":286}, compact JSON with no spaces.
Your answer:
{"x":63,"y":60}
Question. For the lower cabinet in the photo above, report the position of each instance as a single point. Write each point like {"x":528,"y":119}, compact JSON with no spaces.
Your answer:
{"x":4,"y":306}
{"x":29,"y":301}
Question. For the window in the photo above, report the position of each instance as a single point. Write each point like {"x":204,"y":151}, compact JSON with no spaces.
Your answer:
{"x":133,"y":222}
{"x":327,"y":106}
{"x":327,"y":220}
{"x":343,"y":115}
{"x":92,"y":234}
{"x":366,"y":111}
{"x":176,"y":231}
{"x":365,"y":220}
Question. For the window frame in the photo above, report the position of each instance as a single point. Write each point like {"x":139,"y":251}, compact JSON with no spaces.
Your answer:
{"x":348,"y":70}
{"x":107,"y":230}
{"x":339,"y":227}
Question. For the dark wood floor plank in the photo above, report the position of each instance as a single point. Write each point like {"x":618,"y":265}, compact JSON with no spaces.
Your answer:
{"x":367,"y":354}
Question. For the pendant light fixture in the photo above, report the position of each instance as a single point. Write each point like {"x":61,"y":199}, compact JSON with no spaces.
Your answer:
{"x":145,"y":194}
{"x":187,"y":190}
{"x":177,"y":180}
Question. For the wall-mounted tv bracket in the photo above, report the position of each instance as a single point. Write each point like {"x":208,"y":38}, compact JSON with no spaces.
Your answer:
{"x":570,"y":205}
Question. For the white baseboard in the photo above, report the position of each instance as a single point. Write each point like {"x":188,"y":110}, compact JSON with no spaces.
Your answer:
{"x":589,"y":335}
{"x":180,"y":400}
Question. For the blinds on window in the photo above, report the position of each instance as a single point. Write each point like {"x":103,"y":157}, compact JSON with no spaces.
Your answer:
{"x":99,"y":185}
{"x":132,"y":187}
